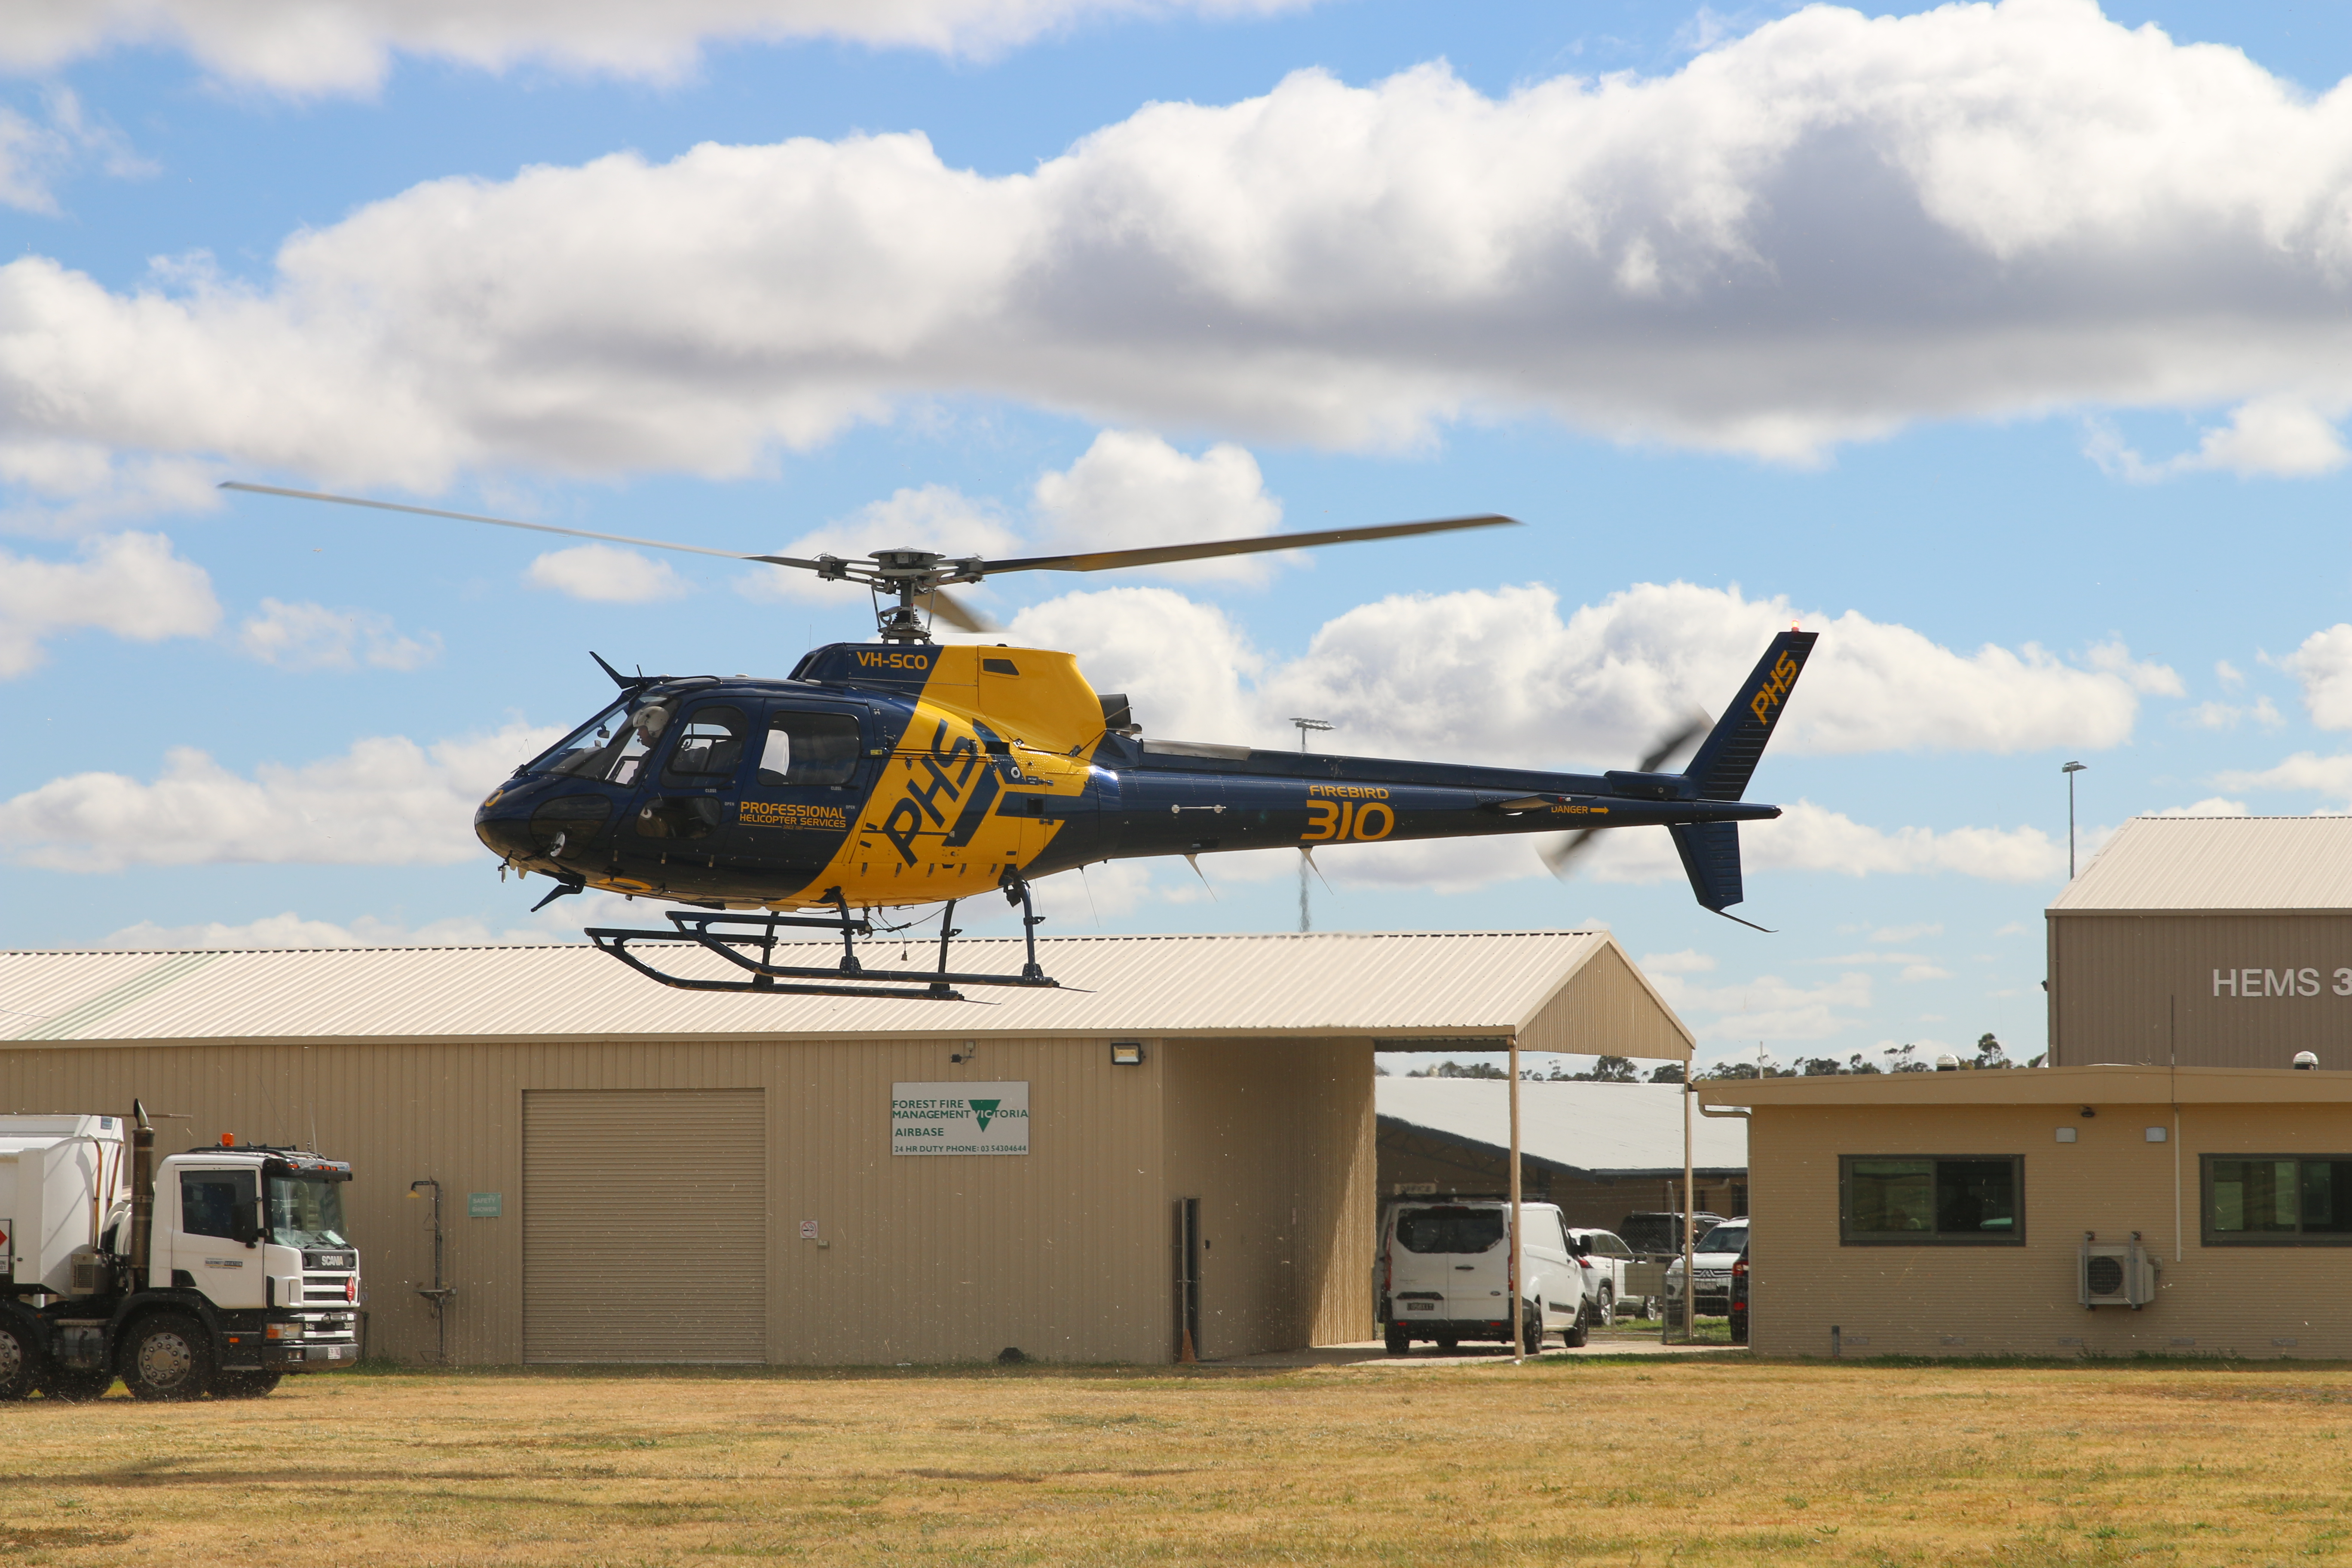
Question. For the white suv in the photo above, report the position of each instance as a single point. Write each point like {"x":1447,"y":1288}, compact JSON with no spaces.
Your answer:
{"x":1718,"y":1250}
{"x":1603,"y":1256}
{"x":1444,"y":1266}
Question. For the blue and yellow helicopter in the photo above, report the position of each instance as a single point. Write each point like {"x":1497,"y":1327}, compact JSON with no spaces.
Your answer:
{"x":905,"y":771}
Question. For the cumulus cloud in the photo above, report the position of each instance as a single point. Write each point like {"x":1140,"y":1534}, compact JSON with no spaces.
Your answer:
{"x":2324,"y":667}
{"x":1132,"y":488}
{"x":2212,"y":805}
{"x":2229,"y":715}
{"x":36,"y":152}
{"x":1766,"y":1008}
{"x":292,"y":930}
{"x":348,"y":47}
{"x":312,"y":636}
{"x":1809,"y":837}
{"x":926,"y":517}
{"x":2269,"y":437}
{"x":1502,"y":675}
{"x":387,"y":801}
{"x":128,"y":584}
{"x":604,"y":574}
{"x":1816,"y":233}
{"x":2304,"y":771}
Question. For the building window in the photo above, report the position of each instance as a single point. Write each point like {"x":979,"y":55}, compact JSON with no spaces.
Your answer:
{"x":1931,"y":1201}
{"x":2278,"y":1200}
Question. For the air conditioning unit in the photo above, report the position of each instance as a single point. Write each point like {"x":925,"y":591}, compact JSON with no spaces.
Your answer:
{"x":2115,"y":1273}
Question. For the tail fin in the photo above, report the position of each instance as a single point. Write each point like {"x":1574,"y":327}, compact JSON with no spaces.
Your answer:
{"x":1710,"y":852}
{"x":1728,"y":758}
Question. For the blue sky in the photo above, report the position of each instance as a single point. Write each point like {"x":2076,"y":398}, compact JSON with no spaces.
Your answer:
{"x":2005,"y":345}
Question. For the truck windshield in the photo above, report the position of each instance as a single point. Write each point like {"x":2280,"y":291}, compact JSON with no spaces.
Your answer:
{"x":305,"y":1211}
{"x":1449,"y":1229}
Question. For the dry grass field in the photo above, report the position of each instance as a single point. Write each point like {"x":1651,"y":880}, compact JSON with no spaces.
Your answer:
{"x":1718,"y":1460}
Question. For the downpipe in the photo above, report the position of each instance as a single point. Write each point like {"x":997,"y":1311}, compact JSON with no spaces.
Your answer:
{"x":142,"y":1194}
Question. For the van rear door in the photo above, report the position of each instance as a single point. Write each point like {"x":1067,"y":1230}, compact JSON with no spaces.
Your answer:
{"x":1456,"y":1250}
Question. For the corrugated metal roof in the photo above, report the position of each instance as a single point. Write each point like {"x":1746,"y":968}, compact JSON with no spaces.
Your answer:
{"x":2218,"y":863}
{"x":2106,"y":1084}
{"x":1605,"y":1129}
{"x":1455,"y":983}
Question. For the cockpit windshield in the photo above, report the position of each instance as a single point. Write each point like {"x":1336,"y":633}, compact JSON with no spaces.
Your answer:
{"x":305,"y":1211}
{"x":610,"y":747}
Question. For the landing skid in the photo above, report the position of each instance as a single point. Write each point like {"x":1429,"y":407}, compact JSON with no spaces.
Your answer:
{"x":850,"y":977}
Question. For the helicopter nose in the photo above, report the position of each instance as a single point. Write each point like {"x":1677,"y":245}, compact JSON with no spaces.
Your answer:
{"x":504,"y":825}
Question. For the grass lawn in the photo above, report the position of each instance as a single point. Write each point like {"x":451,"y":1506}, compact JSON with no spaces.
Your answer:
{"x":1701,"y":1461}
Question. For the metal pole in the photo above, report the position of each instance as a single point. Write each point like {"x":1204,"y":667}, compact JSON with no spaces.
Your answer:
{"x":1519,"y":1333}
{"x":1690,"y":1233}
{"x":2070,"y":770}
{"x":1306,"y":922}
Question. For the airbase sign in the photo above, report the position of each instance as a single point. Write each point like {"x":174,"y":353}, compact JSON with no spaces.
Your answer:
{"x":960,"y":1119}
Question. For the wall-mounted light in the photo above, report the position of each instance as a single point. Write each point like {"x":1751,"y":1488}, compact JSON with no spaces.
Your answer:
{"x":1127,"y":1053}
{"x":2065,"y":1135}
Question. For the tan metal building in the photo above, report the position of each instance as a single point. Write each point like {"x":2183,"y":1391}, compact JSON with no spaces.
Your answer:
{"x":2212,"y":942}
{"x":639,"y":1174}
{"x":1963,"y":1214}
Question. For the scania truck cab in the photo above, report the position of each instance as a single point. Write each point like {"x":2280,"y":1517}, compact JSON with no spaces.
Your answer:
{"x":217,"y":1271}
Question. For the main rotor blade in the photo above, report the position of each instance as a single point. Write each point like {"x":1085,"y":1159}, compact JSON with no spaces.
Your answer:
{"x":511,"y":522}
{"x":1156,"y":555}
{"x":1561,"y":853}
{"x":1662,"y":754}
{"x":954,"y":611}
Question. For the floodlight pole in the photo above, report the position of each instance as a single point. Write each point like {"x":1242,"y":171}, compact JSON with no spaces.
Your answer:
{"x":1518,"y":1332}
{"x":2070,"y":770}
{"x":1690,"y":1203}
{"x":1304,"y":924}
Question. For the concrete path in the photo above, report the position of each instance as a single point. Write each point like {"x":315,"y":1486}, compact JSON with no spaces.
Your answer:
{"x":1372,"y":1352}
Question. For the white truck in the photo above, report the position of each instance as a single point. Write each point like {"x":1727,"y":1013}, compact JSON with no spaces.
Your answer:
{"x":216,"y":1273}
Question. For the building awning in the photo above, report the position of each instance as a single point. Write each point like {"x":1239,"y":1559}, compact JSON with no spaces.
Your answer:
{"x":1558,"y":990}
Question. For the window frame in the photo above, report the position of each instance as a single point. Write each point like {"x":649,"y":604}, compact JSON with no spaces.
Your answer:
{"x":1848,"y":1237}
{"x":2208,"y":1237}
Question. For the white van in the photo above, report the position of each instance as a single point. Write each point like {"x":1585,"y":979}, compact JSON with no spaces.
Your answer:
{"x":1444,"y":1266}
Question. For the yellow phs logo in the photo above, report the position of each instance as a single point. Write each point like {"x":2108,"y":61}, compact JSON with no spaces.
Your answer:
{"x":1775,"y":690}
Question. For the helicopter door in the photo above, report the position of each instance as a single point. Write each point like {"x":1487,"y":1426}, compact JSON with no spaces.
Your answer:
{"x":800,"y":798}
{"x":693,"y":797}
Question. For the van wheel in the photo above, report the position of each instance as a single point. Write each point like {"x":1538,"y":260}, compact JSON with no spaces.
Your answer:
{"x":20,"y":1364}
{"x":1531,"y":1328}
{"x":1576,"y":1336}
{"x":1448,"y":1343}
{"x":1399,"y":1342}
{"x":167,"y":1359}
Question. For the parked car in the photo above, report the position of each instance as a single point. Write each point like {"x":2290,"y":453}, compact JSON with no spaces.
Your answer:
{"x":1718,"y":1250}
{"x":1660,"y":1234}
{"x":1739,"y":1300}
{"x":1444,"y":1275}
{"x":1605,"y":1257}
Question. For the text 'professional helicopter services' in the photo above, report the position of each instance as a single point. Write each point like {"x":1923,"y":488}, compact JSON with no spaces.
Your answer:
{"x":906,"y":772}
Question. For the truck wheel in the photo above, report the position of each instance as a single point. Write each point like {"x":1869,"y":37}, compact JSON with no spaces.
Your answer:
{"x":72,"y":1386}
{"x":20,"y":1364}
{"x":167,"y":1358}
{"x":1399,"y":1342}
{"x":246,"y":1384}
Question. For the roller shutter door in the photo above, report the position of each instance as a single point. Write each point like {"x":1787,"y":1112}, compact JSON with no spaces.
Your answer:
{"x":645,"y":1226}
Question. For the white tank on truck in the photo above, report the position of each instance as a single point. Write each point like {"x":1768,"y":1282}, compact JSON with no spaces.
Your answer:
{"x":213,"y":1272}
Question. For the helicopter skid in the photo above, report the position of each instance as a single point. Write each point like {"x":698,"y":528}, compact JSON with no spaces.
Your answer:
{"x":850,"y":978}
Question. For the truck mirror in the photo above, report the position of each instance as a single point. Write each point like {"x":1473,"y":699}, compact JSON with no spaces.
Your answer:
{"x":244,"y":1227}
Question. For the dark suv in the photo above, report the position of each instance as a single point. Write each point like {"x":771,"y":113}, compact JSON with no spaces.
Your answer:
{"x":1661,"y":1234}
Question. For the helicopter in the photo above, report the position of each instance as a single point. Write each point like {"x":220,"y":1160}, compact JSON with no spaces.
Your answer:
{"x":906,"y":773}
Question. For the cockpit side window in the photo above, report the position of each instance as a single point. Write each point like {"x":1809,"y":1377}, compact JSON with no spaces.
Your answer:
{"x":809,"y":749}
{"x":709,"y":746}
{"x":586,"y":749}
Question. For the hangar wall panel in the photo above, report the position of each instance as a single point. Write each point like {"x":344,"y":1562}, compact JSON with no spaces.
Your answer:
{"x":2115,"y":978}
{"x":1277,"y":1141}
{"x":645,"y":1226}
{"x":2022,"y":1301}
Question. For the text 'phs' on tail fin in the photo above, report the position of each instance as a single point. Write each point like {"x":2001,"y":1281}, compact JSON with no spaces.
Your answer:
{"x":1728,"y":758}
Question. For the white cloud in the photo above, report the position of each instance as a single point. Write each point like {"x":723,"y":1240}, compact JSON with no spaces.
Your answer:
{"x":2303,"y":771}
{"x":387,"y":801}
{"x":1816,"y":233}
{"x":1766,"y":1008}
{"x":1907,"y":933}
{"x":1132,"y":488}
{"x":348,"y":47}
{"x":2324,"y":664}
{"x":313,"y":636}
{"x":1687,"y":961}
{"x":290,"y":929}
{"x":36,"y":154}
{"x":2228,"y":715}
{"x":2229,"y":674}
{"x":604,"y":574}
{"x":128,"y":584}
{"x":2269,"y":437}
{"x":2156,"y":679}
{"x":1500,"y":675}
